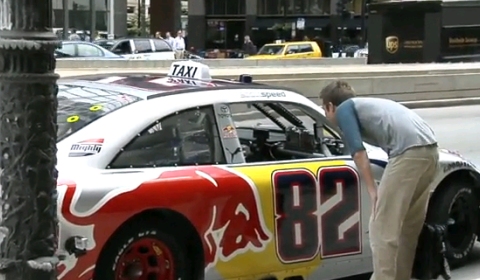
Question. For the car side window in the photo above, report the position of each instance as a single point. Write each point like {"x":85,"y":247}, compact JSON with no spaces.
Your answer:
{"x":305,"y":48}
{"x":161,"y":46}
{"x":188,"y":137}
{"x":292,"y":50}
{"x":89,"y":51}
{"x":143,"y":46}
{"x":68,"y":49}
{"x":123,"y":48}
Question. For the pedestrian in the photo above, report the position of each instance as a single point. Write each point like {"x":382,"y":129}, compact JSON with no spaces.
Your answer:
{"x":170,"y":40}
{"x":248,"y":47}
{"x":399,"y":204}
{"x":86,"y":36}
{"x":74,"y":36}
{"x":179,"y":45}
{"x":158,"y":35}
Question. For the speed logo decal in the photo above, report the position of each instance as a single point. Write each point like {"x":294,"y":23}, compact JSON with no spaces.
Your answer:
{"x":316,"y":211}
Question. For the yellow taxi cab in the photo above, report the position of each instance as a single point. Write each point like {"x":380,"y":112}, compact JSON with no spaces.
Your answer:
{"x":288,"y":50}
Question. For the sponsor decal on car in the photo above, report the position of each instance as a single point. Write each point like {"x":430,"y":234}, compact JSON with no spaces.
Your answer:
{"x":265,"y":94}
{"x":85,"y":148}
{"x":229,"y":132}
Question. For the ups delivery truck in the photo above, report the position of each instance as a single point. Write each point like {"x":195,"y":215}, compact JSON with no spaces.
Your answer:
{"x":424,"y":31}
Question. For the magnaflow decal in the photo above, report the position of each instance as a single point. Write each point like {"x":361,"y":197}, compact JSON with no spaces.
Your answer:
{"x":86,"y":148}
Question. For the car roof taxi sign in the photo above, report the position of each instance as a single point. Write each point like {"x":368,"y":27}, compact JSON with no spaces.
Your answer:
{"x":189,"y":70}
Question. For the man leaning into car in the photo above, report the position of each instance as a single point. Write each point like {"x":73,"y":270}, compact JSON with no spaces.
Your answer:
{"x":399,"y":204}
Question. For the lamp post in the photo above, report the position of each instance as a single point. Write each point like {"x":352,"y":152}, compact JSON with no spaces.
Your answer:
{"x":28,"y":223}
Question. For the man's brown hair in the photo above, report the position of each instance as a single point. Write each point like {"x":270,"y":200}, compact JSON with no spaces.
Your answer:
{"x":336,"y":92}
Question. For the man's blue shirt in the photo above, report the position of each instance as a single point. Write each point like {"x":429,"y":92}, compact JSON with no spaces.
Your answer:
{"x":347,"y":121}
{"x":383,"y":123}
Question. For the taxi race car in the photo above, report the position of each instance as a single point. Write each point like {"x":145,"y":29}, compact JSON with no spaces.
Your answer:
{"x":181,"y":176}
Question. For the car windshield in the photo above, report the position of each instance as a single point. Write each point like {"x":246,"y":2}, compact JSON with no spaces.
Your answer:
{"x":78,"y":106}
{"x":271,"y":49}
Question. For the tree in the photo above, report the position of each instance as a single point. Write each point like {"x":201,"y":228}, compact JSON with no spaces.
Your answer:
{"x":28,"y":225}
{"x":133,"y":25}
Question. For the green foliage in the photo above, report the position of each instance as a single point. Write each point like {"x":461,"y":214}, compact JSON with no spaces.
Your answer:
{"x":133,"y":25}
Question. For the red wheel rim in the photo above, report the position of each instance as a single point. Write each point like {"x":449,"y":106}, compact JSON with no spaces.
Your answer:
{"x":145,"y":259}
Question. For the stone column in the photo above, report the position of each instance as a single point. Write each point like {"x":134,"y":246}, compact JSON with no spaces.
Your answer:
{"x":197,"y":25}
{"x":28,"y":129}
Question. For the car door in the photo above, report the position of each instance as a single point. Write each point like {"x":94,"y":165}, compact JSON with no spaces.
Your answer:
{"x":306,"y":51}
{"x":123,"y":48}
{"x":315,"y":206}
{"x":187,"y":137}
{"x":142,"y":49}
{"x":291,"y":51}
{"x":67,"y":50}
{"x":162,"y":50}
{"x":87,"y":50}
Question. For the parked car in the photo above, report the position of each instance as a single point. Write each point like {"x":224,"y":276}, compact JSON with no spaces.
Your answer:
{"x":81,"y":49}
{"x":143,"y":48}
{"x":105,"y":43}
{"x":362,"y":52}
{"x":182,"y":176}
{"x":288,"y":50}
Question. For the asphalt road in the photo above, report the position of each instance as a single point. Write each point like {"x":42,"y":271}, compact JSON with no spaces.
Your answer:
{"x":458,"y":128}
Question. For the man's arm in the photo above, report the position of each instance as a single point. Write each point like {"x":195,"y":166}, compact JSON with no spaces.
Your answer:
{"x":348,"y":122}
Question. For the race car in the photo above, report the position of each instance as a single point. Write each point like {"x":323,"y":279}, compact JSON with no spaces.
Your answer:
{"x":182,"y":176}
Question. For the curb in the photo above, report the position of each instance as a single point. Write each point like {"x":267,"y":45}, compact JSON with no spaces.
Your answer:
{"x":438,"y":103}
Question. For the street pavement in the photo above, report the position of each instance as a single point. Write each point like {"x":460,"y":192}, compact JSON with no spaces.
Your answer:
{"x":458,"y":128}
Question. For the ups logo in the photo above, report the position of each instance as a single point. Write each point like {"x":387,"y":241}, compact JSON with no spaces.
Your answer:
{"x":392,"y":44}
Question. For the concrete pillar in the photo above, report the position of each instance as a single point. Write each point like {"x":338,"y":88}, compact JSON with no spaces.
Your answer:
{"x":251,"y":15}
{"x":197,"y":25}
{"x":165,"y":16}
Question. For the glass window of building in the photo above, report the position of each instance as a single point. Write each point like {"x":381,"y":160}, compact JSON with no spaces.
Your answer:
{"x":79,"y":14}
{"x":270,"y":7}
{"x":294,"y":7}
{"x":225,"y":7}
{"x":308,"y":7}
{"x":317,"y":7}
{"x":355,"y":6}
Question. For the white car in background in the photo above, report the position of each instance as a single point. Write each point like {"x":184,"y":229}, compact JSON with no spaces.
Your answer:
{"x":362,"y":52}
{"x":143,"y":49}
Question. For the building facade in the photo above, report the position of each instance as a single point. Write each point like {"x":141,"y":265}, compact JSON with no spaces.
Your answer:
{"x":80,"y":19}
{"x":215,"y":23}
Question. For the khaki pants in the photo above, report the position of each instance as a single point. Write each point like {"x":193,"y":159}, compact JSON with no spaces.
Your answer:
{"x":401,"y":209}
{"x":179,"y":54}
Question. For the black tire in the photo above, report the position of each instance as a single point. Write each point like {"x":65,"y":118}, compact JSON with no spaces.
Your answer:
{"x":456,"y":202}
{"x":137,"y":231}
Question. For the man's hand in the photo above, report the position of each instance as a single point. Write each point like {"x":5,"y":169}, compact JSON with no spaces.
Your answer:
{"x":363,"y":164}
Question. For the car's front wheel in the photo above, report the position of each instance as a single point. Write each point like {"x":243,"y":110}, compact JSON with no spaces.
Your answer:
{"x":456,"y":206}
{"x":141,"y":251}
